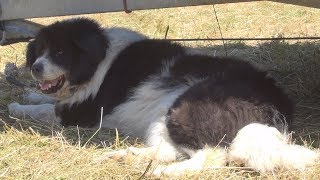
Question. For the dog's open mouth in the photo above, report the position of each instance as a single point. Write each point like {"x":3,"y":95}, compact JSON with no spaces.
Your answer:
{"x":52,"y":86}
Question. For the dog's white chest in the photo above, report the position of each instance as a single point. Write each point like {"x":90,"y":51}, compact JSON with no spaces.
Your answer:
{"x":146,"y":106}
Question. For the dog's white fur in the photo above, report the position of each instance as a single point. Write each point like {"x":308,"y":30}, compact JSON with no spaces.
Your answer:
{"x":51,"y":71}
{"x":264,"y":148}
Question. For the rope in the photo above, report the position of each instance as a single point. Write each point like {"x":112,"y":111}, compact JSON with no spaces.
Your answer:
{"x":224,"y":45}
{"x":248,"y":39}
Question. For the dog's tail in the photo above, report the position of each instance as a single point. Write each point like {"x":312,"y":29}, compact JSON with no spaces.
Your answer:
{"x":264,"y":148}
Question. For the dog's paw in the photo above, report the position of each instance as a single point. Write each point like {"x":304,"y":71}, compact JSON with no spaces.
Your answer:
{"x":162,"y":171}
{"x":127,"y":155}
{"x":36,"y":98}
{"x":116,"y":155}
{"x":14,"y":109}
{"x":173,"y":170}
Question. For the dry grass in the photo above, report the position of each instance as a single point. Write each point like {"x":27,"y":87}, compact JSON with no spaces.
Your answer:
{"x":29,"y":150}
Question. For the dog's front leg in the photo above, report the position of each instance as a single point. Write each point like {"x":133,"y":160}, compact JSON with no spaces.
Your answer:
{"x":43,"y":112}
{"x":31,"y":97}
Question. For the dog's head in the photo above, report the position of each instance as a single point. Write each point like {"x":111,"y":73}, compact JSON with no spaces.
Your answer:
{"x":66,"y":54}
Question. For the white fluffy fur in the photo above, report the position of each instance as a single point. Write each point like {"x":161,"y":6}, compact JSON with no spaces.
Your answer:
{"x":50,"y":70}
{"x":264,"y":148}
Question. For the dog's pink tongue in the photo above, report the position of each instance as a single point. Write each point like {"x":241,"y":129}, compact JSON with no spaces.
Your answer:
{"x":45,"y":85}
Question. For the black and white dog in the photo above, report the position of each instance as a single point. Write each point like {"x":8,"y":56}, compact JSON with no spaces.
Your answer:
{"x":179,"y":103}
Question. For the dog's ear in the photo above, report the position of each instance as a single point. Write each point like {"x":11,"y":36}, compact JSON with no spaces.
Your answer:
{"x":31,"y":53}
{"x":94,"y":44}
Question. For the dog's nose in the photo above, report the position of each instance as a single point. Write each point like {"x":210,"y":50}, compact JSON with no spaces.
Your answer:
{"x":37,"y":69}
